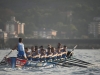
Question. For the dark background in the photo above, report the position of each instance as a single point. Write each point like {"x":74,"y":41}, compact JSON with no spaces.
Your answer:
{"x":70,"y":43}
{"x":70,"y":16}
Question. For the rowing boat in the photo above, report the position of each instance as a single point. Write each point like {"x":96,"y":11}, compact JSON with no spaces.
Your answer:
{"x":14,"y":62}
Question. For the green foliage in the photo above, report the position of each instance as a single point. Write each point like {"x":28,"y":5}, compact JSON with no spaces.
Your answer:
{"x":70,"y":16}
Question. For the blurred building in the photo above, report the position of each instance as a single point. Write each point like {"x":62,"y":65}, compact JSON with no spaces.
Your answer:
{"x":13,"y":27}
{"x":44,"y":33}
{"x":3,"y":34}
{"x":94,"y":27}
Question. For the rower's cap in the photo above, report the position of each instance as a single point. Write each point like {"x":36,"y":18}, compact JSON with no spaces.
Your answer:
{"x":48,"y":44}
{"x":65,"y":46}
{"x":26,"y":49}
{"x":32,"y":46}
{"x":41,"y":47}
{"x":36,"y":47}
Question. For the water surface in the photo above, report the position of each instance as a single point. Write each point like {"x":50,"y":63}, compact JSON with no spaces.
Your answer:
{"x":89,"y":55}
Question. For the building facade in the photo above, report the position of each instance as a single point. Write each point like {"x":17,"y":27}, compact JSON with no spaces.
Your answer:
{"x":94,"y":27}
{"x":44,"y":33}
{"x":3,"y":34}
{"x":14,"y":27}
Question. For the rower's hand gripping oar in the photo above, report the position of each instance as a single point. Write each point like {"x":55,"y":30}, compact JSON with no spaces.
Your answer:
{"x":57,"y":63}
{"x":5,"y":57}
{"x":68,"y":55}
{"x":72,"y":50}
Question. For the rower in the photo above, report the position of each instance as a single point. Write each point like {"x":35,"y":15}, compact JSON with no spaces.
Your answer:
{"x":40,"y":48}
{"x":28,"y":54}
{"x":43,"y":55}
{"x":54,"y":56}
{"x":59,"y":45}
{"x":59,"y":55}
{"x":36,"y":55}
{"x":64,"y":52}
{"x":21,"y":53}
{"x":20,"y":48}
{"x":49,"y":46}
{"x":49,"y":54}
{"x":32,"y":49}
{"x":69,"y":54}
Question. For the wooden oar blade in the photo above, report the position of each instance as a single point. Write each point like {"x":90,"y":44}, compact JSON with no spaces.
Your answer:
{"x":74,"y":47}
{"x":83,"y":61}
{"x":75,"y":64}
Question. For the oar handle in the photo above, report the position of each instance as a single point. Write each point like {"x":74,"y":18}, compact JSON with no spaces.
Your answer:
{"x":9,"y":53}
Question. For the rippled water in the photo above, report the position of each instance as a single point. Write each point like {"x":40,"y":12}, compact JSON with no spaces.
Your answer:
{"x":89,"y":55}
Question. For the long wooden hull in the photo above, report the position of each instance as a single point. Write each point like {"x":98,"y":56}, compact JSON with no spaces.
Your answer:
{"x":13,"y":62}
{"x":39,"y":64}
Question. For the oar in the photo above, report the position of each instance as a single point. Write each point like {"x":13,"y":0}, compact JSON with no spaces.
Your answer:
{"x":57,"y":62}
{"x":77,"y":62}
{"x":74,"y":64}
{"x":5,"y":56}
{"x":83,"y":61}
{"x":68,"y":64}
{"x":72,"y":50}
{"x":74,"y":47}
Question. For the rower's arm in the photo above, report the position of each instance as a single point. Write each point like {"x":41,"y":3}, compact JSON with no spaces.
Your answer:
{"x":36,"y":56}
{"x":55,"y":55}
{"x":50,"y":55}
